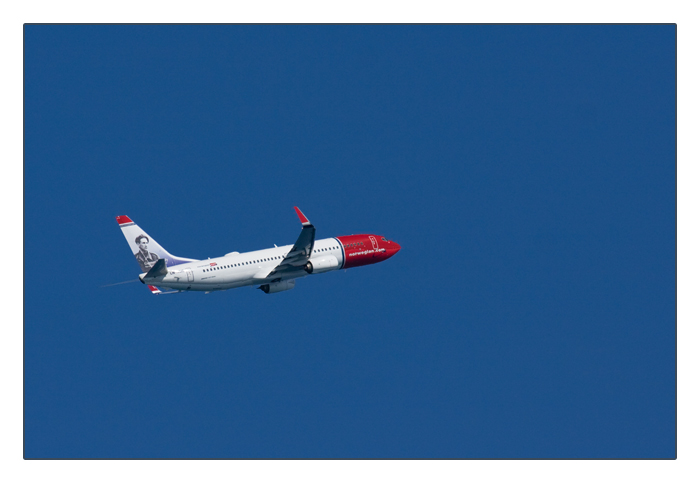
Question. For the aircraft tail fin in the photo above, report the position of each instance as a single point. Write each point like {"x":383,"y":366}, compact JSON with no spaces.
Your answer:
{"x":146,"y":250}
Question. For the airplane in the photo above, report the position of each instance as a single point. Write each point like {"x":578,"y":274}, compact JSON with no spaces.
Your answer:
{"x":273,"y":269}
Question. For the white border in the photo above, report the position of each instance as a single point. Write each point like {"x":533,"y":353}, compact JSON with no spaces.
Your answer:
{"x":681,"y":13}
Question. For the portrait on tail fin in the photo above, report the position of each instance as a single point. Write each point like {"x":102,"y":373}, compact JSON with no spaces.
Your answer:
{"x":145,"y":258}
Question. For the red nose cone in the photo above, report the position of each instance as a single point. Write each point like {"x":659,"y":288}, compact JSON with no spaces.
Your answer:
{"x":393,"y":249}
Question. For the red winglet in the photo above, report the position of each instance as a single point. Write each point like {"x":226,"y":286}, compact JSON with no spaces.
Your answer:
{"x":304,"y":220}
{"x":123,"y":219}
{"x":153,"y":289}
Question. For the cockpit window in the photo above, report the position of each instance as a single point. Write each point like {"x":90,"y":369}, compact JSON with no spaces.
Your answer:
{"x":384,"y":239}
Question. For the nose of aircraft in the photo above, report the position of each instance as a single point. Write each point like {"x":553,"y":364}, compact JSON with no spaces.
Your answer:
{"x":393,"y":248}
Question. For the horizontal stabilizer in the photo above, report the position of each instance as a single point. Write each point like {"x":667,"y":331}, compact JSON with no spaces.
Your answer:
{"x":157,"y":291}
{"x":158,"y":270}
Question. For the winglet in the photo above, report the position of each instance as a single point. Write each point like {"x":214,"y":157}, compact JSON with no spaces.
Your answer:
{"x":304,"y":220}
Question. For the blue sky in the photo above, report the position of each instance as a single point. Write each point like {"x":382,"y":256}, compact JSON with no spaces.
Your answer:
{"x":528,"y":172}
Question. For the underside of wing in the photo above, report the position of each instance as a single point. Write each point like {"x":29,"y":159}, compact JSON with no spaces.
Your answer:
{"x":301,"y":251}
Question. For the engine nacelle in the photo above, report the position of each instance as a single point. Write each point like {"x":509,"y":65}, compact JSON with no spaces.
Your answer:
{"x":320,"y":265}
{"x":278,"y":286}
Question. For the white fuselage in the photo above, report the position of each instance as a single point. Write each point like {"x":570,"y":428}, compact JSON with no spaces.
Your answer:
{"x":242,"y":269}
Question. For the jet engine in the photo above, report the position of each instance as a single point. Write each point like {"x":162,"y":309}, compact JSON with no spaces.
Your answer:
{"x":321,"y":265}
{"x":278,"y":286}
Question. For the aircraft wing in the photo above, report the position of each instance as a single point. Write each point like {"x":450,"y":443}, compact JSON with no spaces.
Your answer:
{"x":302,"y":249}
